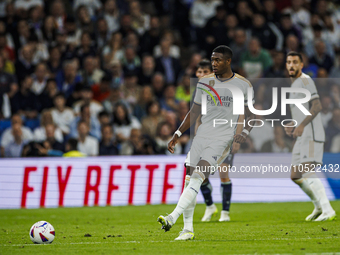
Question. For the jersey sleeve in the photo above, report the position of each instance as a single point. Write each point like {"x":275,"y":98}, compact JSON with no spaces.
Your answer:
{"x":310,"y":85}
{"x":198,"y":95}
{"x":246,"y":103}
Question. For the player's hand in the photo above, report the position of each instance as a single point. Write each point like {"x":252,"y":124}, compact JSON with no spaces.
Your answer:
{"x":289,"y":129}
{"x":236,"y":147}
{"x":240,"y":138}
{"x":298,"y":131}
{"x":172,"y":143}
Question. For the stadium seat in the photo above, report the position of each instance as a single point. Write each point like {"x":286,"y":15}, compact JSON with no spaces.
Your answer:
{"x":4,"y":124}
{"x":32,"y":123}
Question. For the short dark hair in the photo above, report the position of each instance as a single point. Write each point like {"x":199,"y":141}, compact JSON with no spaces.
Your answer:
{"x":294,"y":53}
{"x":225,"y":50}
{"x":204,"y":63}
{"x":73,"y":143}
{"x":84,"y":106}
{"x":59,"y":94}
{"x":103,"y":113}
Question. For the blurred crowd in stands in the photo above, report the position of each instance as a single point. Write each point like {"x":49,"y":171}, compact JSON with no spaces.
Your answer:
{"x":112,"y":77}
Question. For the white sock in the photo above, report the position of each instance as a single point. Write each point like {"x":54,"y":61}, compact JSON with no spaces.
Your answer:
{"x":304,"y":185}
{"x":188,"y":196}
{"x":188,"y":214}
{"x":319,"y":190}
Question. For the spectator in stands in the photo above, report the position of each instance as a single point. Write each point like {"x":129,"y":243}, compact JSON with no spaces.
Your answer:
{"x":86,"y":96}
{"x":46,"y":97}
{"x":40,"y":77}
{"x":85,"y":49}
{"x":48,"y":31}
{"x":131,"y":90}
{"x":279,"y":144}
{"x":300,"y":16}
{"x":131,"y":61}
{"x":333,"y":128}
{"x":39,"y":49}
{"x":158,"y":85}
{"x":91,"y":121}
{"x":139,"y":21}
{"x":311,"y":40}
{"x":321,"y":58}
{"x":22,"y":36}
{"x":114,"y":49}
{"x":107,"y":145}
{"x":126,"y":25}
{"x":287,"y":28}
{"x":25,"y":102}
{"x":244,"y":14}
{"x":51,"y":132}
{"x":151,"y":37}
{"x":137,"y":144}
{"x":238,"y":45}
{"x":256,"y":60}
{"x":104,"y":118}
{"x":111,"y":15}
{"x":278,"y":69}
{"x":54,"y":63}
{"x":101,"y":91}
{"x":114,"y":98}
{"x":24,"y":65}
{"x":103,"y":34}
{"x":145,"y":97}
{"x":62,"y":115}
{"x":335,"y":72}
{"x":147,"y":70}
{"x":163,"y":137}
{"x":68,"y":78}
{"x":216,"y":31}
{"x":308,"y":68}
{"x":169,"y":102}
{"x":86,"y":143}
{"x":40,"y":134}
{"x":292,"y":44}
{"x":8,"y":137}
{"x":184,"y":90}
{"x":8,"y":90}
{"x":84,"y":20}
{"x":91,"y":75}
{"x":93,"y":6}
{"x":123,"y":122}
{"x":150,"y":122}
{"x":174,"y":50}
{"x":167,"y":65}
{"x":326,"y":112}
{"x":270,"y":12}
{"x":268,"y":33}
{"x":14,"y":147}
{"x":71,"y":149}
{"x":192,"y":67}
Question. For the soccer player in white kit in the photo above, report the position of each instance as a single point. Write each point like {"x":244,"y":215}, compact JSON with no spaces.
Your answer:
{"x":211,"y":144}
{"x":308,"y":148}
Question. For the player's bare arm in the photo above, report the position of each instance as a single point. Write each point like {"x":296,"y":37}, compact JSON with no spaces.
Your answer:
{"x":186,"y":123}
{"x":236,"y":146}
{"x":241,"y":138}
{"x":314,"y":110}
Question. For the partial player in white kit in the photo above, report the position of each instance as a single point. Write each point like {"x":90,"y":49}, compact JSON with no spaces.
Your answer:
{"x":308,"y":148}
{"x":211,"y":144}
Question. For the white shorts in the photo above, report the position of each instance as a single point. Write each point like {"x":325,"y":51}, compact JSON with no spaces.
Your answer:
{"x":212,"y":151}
{"x":306,"y":150}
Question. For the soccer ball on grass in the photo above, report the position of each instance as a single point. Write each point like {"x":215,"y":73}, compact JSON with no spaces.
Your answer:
{"x":42,"y":232}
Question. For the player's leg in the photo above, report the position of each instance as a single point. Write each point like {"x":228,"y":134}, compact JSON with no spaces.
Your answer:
{"x":303,"y":175}
{"x":188,"y":215}
{"x":189,"y":194}
{"x":226,"y":187}
{"x":211,"y":209}
{"x":298,"y":175}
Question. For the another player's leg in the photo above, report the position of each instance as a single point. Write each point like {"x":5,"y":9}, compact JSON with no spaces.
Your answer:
{"x":211,"y":209}
{"x":188,"y":215}
{"x":226,"y":188}
{"x":188,"y":195}
{"x":313,"y":187}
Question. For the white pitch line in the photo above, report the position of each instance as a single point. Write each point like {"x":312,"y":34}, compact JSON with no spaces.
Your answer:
{"x":203,"y":240}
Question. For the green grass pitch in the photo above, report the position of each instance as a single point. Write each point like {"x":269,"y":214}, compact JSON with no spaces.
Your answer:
{"x":255,"y":228}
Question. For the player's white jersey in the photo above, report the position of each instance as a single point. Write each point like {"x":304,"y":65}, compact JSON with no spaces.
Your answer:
{"x":206,"y":87}
{"x":315,"y":128}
